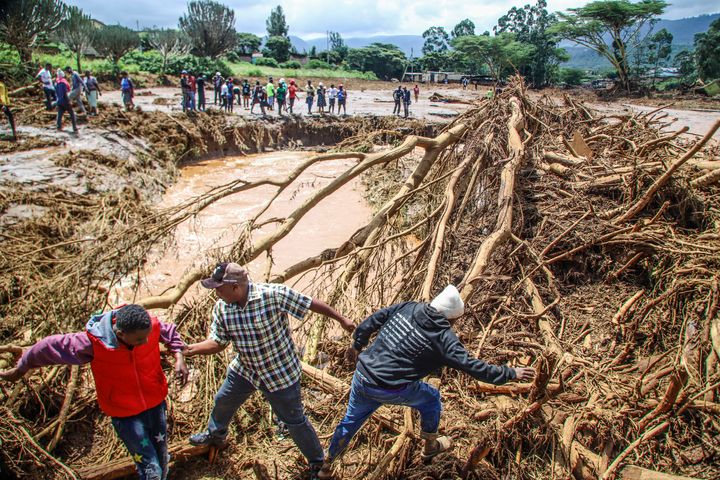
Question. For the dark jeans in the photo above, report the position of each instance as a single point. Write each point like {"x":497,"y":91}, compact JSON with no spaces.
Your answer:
{"x":406,"y":106}
{"x":286,"y":404}
{"x":366,"y":398}
{"x":61,"y":110}
{"x":145,"y":437}
{"x":218,"y":97}
{"x":10,"y":118}
{"x":201,"y":100}
{"x":396,"y":108}
{"x":185,"y":101}
{"x":50,"y":97}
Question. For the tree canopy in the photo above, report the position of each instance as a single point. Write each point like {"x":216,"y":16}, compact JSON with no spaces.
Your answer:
{"x":115,"y":41}
{"x":385,"y":60}
{"x":277,"y":47}
{"x":532,"y":25}
{"x":24,"y":23}
{"x":211,"y":28}
{"x":499,"y":53}
{"x":78,"y":32}
{"x":247,"y":43}
{"x":707,"y":52}
{"x":463,"y":28}
{"x":611,"y":28}
{"x":276,"y":24}
{"x":169,"y":43}
{"x":436,"y":40}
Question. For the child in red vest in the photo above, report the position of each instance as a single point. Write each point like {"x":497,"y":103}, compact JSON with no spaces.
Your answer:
{"x":123,"y":349}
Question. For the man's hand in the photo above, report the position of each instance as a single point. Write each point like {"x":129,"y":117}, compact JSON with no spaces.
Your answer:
{"x":12,"y":375}
{"x":524,"y":374}
{"x":351,"y":356}
{"x":347,"y":325}
{"x":181,"y":370}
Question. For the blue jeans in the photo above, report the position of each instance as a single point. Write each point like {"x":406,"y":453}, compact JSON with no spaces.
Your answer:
{"x":286,"y":404}
{"x":145,"y":436}
{"x":366,"y":398}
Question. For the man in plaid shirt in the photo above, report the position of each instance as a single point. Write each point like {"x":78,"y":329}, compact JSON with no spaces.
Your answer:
{"x":254,"y":318}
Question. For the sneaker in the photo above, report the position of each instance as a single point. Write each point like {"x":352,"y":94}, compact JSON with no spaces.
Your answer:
{"x":317,"y":472}
{"x":204,"y":438}
{"x":322,"y":473}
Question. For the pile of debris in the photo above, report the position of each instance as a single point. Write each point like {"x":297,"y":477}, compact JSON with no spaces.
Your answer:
{"x":585,"y":245}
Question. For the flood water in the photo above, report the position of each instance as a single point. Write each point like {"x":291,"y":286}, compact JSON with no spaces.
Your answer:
{"x":327,"y":225}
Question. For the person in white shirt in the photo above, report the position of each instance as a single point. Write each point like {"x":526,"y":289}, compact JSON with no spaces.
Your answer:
{"x":332,"y":95}
{"x":224,"y":93}
{"x":45,"y":76}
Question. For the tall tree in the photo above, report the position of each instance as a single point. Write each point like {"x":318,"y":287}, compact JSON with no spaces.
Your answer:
{"x":247,"y":43}
{"x":660,"y":48}
{"x":499,"y":53}
{"x":276,"y":24}
{"x":464,"y":28}
{"x":611,"y":28}
{"x":278,"y":48}
{"x":25,"y":23}
{"x":337,"y":47}
{"x":115,"y":41}
{"x":211,"y":28}
{"x":707,"y":51}
{"x":78,"y":32}
{"x":532,"y":25}
{"x":436,"y":40}
{"x":169,"y":43}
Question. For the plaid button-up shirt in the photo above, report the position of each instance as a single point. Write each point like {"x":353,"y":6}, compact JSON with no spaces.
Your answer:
{"x":260,"y":333}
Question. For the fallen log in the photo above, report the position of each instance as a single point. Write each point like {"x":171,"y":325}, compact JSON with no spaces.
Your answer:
{"x":179,"y":452}
{"x":631,"y":472}
{"x":505,"y":202}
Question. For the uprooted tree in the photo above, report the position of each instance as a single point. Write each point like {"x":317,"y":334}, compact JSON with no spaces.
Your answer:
{"x":585,"y":245}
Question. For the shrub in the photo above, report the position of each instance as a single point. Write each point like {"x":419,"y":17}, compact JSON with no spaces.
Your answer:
{"x":292,"y":64}
{"x":266,"y":62}
{"x":319,"y":65}
{"x":254,"y":72}
{"x":198,"y":65}
{"x":572,"y":76}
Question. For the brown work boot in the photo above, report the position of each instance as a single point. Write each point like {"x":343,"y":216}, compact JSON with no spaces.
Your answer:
{"x":434,"y":445}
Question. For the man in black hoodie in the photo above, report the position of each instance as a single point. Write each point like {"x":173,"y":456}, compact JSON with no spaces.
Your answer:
{"x":414,"y":340}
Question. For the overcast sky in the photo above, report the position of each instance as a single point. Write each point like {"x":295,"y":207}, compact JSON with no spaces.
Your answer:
{"x":352,"y":18}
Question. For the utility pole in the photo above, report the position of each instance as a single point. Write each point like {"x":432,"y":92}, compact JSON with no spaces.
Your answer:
{"x":327,"y":46}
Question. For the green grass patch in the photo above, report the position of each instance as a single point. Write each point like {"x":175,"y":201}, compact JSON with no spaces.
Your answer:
{"x":246,"y":69}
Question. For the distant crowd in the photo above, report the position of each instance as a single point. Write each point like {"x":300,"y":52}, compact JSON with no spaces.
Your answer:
{"x":269,"y":97}
{"x":66,"y":91}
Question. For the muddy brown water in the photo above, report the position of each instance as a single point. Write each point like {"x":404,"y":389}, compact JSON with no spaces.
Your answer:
{"x":329,"y":224}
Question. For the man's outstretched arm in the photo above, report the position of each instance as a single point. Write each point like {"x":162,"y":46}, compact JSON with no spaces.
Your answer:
{"x":318,"y":306}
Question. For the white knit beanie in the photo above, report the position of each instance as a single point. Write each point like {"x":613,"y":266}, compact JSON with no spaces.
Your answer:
{"x":449,"y":303}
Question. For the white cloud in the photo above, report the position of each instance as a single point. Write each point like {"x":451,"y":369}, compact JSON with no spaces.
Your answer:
{"x":311,"y":18}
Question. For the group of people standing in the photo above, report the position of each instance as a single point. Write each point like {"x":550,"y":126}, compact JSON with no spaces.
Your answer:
{"x":122,"y":346}
{"x":401,"y":97}
{"x":272,"y":96}
{"x":66,"y":89}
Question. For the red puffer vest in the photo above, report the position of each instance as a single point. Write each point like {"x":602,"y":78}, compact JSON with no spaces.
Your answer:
{"x":129,"y":381}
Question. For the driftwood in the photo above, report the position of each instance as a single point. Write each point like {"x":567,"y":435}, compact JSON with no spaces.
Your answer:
{"x":122,"y":468}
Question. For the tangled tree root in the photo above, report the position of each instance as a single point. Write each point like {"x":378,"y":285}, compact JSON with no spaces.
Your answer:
{"x":584,"y":245}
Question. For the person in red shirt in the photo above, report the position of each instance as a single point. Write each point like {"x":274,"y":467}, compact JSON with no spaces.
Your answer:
{"x":122,"y":347}
{"x":193,"y":90}
{"x":292,"y":95}
{"x":416,"y":90}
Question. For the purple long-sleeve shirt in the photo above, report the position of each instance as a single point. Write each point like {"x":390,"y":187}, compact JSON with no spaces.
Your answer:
{"x":77,"y":349}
